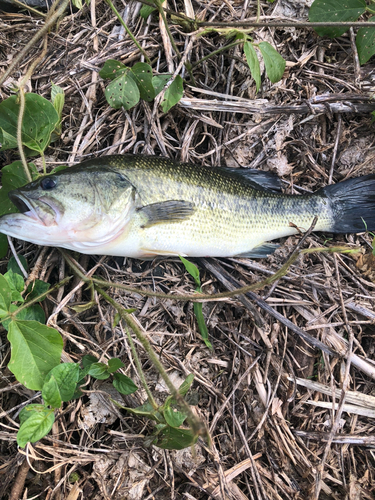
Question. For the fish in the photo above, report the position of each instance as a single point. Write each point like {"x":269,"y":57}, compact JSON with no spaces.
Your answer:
{"x":146,"y":206}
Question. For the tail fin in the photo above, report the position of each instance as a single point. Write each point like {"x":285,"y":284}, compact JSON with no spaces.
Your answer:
{"x":353,"y":204}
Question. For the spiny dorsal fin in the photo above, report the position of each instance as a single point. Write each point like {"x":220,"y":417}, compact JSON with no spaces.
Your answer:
{"x":265,"y":180}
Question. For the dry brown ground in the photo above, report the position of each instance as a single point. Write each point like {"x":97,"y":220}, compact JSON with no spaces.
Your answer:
{"x":265,"y":393}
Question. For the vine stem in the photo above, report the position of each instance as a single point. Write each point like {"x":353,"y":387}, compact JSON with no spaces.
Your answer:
{"x":202,"y":297}
{"x":115,"y":11}
{"x":215,"y":52}
{"x":39,"y":298}
{"x":162,"y":13}
{"x":21,"y":96}
{"x":196,"y":425}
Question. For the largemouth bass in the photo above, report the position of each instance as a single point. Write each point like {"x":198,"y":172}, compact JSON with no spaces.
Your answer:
{"x":143,"y":206}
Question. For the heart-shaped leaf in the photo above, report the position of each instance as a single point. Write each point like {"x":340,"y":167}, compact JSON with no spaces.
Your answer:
{"x":36,"y":426}
{"x":142,"y":74}
{"x":122,"y":92}
{"x":273,"y":62}
{"x":253,"y":62}
{"x":365,"y":42}
{"x":39,"y":120}
{"x":36,"y":349}
{"x":173,"y":94}
{"x":160,"y":81}
{"x":335,"y":11}
{"x":112,"y":69}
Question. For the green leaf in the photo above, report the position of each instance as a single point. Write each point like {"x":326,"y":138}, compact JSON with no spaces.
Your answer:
{"x":39,"y":121}
{"x":13,"y":265}
{"x":335,"y":11}
{"x":32,"y":313}
{"x":146,"y":10}
{"x":37,"y":425}
{"x":26,"y":412}
{"x":170,"y":438}
{"x":122,"y":92}
{"x":124,"y":384}
{"x":192,"y":270}
{"x":77,"y":4}
{"x":13,"y":176}
{"x":99,"y":371}
{"x":88,"y":360}
{"x":173,"y":94}
{"x":160,"y":81}
{"x":6,"y":322}
{"x":365,"y":42}
{"x":36,"y":288}
{"x":35,"y":350}
{"x":59,"y":168}
{"x":147,"y":411}
{"x":112,"y":69}
{"x":114,"y":364}
{"x":253,"y":62}
{"x":116,"y":320}
{"x":5,"y":296}
{"x":186,"y":384}
{"x":201,"y":323}
{"x":58,"y":101}
{"x":16,"y":283}
{"x":142,"y":74}
{"x":60,"y":384}
{"x":173,"y":417}
{"x":56,"y":91}
{"x":51,"y":394}
{"x":273,"y":62}
{"x":3,"y":245}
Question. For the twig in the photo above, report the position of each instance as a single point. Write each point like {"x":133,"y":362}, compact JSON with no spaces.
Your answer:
{"x":202,"y":297}
{"x":337,"y":140}
{"x":196,"y":425}
{"x":27,"y":7}
{"x":109,"y":2}
{"x":217,"y":271}
{"x":50,"y":21}
{"x":345,"y":384}
{"x":20,"y":265}
{"x":357,"y":66}
{"x":19,"y":482}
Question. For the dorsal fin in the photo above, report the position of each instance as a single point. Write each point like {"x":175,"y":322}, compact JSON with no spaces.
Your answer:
{"x":266,"y":180}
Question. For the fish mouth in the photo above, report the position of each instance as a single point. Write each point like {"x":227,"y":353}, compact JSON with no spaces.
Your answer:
{"x":41,"y":211}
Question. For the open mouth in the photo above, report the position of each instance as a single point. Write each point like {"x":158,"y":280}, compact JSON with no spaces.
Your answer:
{"x":26,"y":207}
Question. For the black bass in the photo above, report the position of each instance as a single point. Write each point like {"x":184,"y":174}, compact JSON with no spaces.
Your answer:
{"x":143,"y":206}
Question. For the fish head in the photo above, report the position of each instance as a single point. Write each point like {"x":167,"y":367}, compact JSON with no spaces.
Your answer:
{"x":73,"y":208}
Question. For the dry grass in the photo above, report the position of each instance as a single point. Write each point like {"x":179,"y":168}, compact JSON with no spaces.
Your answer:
{"x":264,"y":392}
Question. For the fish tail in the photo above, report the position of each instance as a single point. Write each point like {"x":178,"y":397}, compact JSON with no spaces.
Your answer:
{"x":353,"y":204}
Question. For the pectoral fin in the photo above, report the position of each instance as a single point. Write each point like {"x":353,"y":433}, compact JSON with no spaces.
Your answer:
{"x":260,"y":252}
{"x":166,"y":211}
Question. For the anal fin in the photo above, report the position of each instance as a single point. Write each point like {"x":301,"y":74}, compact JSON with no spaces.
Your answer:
{"x":260,"y":251}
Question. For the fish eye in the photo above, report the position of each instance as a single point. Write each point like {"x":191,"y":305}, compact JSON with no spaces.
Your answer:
{"x":48,"y":183}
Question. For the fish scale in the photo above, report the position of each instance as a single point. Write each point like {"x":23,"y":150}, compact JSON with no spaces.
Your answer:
{"x":233,"y":215}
